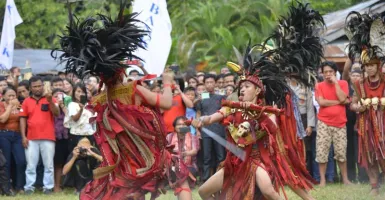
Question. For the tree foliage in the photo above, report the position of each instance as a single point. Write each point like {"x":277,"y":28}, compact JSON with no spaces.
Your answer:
{"x":44,"y":20}
{"x":203,"y":30}
{"x":207,"y":30}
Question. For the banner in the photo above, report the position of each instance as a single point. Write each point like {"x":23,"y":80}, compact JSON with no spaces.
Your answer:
{"x":154,"y":13}
{"x":8,"y":35}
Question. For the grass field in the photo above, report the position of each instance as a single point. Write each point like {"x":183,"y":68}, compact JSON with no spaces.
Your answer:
{"x":330,"y":192}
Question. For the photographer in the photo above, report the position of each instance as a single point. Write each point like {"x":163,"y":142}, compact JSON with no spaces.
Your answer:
{"x":185,"y":149}
{"x":80,"y":163}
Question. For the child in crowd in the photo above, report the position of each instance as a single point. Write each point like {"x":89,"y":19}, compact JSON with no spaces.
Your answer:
{"x":191,"y":112}
{"x":200,"y":88}
{"x":229,"y":90}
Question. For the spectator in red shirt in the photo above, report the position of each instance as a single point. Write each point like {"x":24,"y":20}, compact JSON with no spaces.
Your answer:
{"x":331,"y":95}
{"x":38,"y":112}
{"x":179,"y":103}
{"x":10,"y":140}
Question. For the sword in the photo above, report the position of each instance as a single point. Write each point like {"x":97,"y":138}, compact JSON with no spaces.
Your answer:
{"x":229,"y":146}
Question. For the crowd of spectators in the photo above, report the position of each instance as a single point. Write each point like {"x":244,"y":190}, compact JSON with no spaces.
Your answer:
{"x":46,"y":139}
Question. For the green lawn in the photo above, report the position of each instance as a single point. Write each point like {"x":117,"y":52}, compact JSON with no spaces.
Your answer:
{"x":330,"y":192}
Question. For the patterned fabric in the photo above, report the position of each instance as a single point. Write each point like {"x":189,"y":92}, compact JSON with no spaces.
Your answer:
{"x":297,"y":114}
{"x":191,"y":143}
{"x":305,"y":103}
{"x":179,"y":161}
{"x":60,"y":131}
{"x":132,"y":140}
{"x":278,"y":153}
{"x":370,"y":125}
{"x":326,"y":135}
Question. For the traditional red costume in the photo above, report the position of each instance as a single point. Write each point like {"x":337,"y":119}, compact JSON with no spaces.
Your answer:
{"x":259,"y":134}
{"x":130,"y":134}
{"x":370,"y":123}
{"x":131,"y":138}
{"x":268,"y":135}
{"x":365,"y":32}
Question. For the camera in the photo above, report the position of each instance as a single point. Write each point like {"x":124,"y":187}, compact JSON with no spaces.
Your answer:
{"x":82,"y":151}
{"x":184,"y":130}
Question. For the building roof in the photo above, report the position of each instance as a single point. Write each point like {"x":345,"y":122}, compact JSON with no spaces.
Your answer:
{"x":335,"y":21}
{"x":40,"y":60}
{"x":333,"y":51}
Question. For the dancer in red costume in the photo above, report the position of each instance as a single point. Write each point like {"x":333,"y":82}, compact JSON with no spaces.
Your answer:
{"x":130,"y":131}
{"x":366,"y":44}
{"x":267,"y":135}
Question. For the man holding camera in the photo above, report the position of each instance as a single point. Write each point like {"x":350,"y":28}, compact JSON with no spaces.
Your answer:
{"x":185,"y":148}
{"x":38,"y":112}
{"x":81,"y":162}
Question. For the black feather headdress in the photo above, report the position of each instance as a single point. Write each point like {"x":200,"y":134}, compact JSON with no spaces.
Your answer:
{"x":357,"y":28}
{"x":366,"y":33}
{"x":260,"y":69}
{"x":99,"y":44}
{"x":298,"y":49}
{"x":298,"y":52}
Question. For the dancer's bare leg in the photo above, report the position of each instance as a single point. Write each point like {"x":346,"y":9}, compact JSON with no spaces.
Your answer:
{"x":373,"y":172}
{"x":185,"y":195}
{"x":265,"y":185}
{"x":302,"y":193}
{"x":212,"y":185}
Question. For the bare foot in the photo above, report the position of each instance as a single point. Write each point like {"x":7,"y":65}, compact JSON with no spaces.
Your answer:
{"x":57,"y":189}
{"x":374,"y":192}
{"x":322,"y":183}
{"x":348,"y":183}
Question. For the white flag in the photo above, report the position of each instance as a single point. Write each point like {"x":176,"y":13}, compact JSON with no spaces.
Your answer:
{"x":154,"y":13}
{"x":8,"y":35}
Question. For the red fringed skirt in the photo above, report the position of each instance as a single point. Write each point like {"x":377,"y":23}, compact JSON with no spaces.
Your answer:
{"x":132,"y":140}
{"x":279,"y":153}
{"x":371,"y":140}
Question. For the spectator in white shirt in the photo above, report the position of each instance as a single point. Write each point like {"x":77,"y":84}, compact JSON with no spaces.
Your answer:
{"x":78,"y":118}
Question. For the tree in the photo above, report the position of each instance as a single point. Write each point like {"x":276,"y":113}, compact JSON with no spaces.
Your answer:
{"x":203,"y":30}
{"x":44,"y":20}
{"x":208,"y":30}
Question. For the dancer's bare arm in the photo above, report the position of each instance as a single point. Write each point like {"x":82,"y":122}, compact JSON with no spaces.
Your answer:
{"x":355,"y":105}
{"x":164,"y":100}
{"x":346,"y":71}
{"x":207,"y":120}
